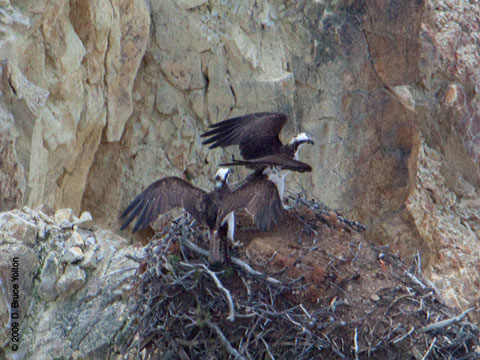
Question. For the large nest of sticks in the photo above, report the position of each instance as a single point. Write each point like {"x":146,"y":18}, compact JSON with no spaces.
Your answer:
{"x":310,"y":289}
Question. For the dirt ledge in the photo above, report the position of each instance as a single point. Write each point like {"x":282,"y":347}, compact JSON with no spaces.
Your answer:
{"x":320,"y":291}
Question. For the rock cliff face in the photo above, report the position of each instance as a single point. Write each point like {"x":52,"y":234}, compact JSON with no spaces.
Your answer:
{"x":73,"y":286}
{"x":100,"y":98}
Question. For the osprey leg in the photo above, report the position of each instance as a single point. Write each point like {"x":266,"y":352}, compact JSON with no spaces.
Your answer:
{"x":218,"y":252}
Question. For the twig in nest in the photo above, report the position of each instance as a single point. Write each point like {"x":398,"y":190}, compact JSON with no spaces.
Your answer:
{"x":306,"y":227}
{"x":418,"y":262}
{"x":231,"y":310}
{"x":355,"y":343}
{"x":396,"y":301}
{"x":401,"y":337}
{"x":253,"y":272}
{"x":359,"y":248}
{"x":247,"y":286}
{"x":194,"y":247}
{"x":135,"y":258}
{"x":323,"y":212}
{"x":429,"y":349}
{"x":247,"y":268}
{"x":445,"y":323}
{"x":304,"y":329}
{"x":415,"y":279}
{"x":268,"y":349}
{"x":305,"y":311}
{"x":224,"y":341}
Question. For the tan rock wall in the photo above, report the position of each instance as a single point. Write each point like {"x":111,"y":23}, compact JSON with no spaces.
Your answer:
{"x":100,"y":98}
{"x":61,"y":86}
{"x":73,"y":286}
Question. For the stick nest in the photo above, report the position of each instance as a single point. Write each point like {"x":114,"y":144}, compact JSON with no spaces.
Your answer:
{"x":331,"y":297}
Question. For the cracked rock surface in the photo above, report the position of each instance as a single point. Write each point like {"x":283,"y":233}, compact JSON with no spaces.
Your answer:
{"x":68,"y":309}
{"x":98,"y":99}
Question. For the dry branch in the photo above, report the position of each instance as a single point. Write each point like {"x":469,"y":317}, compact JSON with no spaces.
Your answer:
{"x":444,"y":323}
{"x":231,"y":310}
{"x":182,"y":307}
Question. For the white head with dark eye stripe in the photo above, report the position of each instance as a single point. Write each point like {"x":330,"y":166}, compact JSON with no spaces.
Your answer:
{"x":221,"y":177}
{"x":297,"y":141}
{"x":301,"y":139}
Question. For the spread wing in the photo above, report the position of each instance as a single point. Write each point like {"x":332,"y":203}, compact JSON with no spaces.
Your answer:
{"x":281,"y":160}
{"x":260,"y":200}
{"x":256,"y":134}
{"x":161,"y":196}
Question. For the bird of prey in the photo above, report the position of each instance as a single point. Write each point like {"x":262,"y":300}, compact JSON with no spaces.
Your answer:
{"x":257,"y":136}
{"x":172,"y":192}
{"x":258,"y":196}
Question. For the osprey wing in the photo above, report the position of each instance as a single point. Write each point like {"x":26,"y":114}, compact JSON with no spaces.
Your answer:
{"x":256,"y":134}
{"x":280,"y":160}
{"x":259,"y":198}
{"x":161,"y":196}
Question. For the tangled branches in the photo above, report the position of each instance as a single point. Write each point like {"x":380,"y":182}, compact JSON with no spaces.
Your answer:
{"x":184,"y":309}
{"x":323,"y":213}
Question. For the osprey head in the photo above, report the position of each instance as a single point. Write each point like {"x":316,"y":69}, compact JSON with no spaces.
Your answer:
{"x":221,"y":177}
{"x":300,"y":139}
{"x":297,"y":141}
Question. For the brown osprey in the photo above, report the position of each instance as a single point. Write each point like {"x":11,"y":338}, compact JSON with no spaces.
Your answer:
{"x":257,"y":137}
{"x":171,"y":192}
{"x":259,"y":197}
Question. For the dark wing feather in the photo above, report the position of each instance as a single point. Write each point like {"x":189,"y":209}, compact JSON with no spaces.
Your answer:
{"x":161,"y":196}
{"x":260,"y":200}
{"x":256,"y":134}
{"x":281,"y":160}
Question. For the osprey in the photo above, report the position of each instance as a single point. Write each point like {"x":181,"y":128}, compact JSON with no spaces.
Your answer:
{"x":257,"y":137}
{"x":258,"y":196}
{"x":171,"y":192}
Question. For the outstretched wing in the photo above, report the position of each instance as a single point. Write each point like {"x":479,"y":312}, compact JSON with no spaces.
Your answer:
{"x":161,"y":196}
{"x":256,"y":134}
{"x":281,"y":160}
{"x":260,"y":200}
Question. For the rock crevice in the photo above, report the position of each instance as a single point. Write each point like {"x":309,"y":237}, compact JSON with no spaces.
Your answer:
{"x":100,"y":98}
